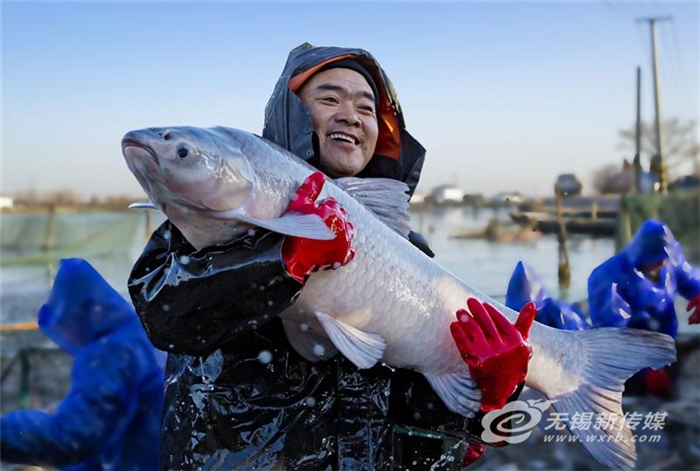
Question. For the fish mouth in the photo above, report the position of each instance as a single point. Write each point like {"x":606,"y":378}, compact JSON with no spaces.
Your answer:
{"x":126,"y":143}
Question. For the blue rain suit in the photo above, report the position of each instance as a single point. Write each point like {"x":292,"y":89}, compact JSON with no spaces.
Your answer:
{"x":619,"y":295}
{"x":526,"y":286}
{"x":110,"y":419}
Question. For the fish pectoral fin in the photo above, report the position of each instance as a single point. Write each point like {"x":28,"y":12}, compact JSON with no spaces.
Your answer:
{"x":308,"y":226}
{"x":363,"y":349}
{"x":386,"y":198}
{"x":310,"y":345}
{"x":458,"y":392}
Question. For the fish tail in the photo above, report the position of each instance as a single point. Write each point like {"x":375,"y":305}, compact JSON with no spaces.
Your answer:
{"x":611,"y":357}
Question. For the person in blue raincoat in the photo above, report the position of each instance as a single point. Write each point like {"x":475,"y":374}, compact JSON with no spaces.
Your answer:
{"x":110,"y":419}
{"x":526,"y":286}
{"x":636,"y":288}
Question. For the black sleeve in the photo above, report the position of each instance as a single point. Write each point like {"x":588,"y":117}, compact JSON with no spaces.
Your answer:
{"x":193,"y":301}
{"x":415,"y":405}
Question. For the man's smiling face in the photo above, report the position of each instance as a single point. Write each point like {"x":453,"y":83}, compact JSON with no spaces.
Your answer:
{"x":344,"y":117}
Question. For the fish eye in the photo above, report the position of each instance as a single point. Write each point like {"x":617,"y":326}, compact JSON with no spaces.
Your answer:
{"x":182,"y":152}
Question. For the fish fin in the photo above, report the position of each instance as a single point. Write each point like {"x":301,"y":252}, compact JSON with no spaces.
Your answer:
{"x":306,"y":342}
{"x":386,"y":198}
{"x":458,"y":392}
{"x":611,"y":356}
{"x":143,"y":205}
{"x":309,"y":226}
{"x":363,"y":349}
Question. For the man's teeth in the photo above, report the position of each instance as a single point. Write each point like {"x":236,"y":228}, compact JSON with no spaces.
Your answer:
{"x":342,"y":137}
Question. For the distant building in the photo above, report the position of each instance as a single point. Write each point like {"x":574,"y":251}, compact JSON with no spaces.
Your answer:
{"x":508,"y":198}
{"x":418,"y":198}
{"x":447,"y":194}
{"x":6,"y":202}
{"x":687,"y":182}
{"x":476,"y":199}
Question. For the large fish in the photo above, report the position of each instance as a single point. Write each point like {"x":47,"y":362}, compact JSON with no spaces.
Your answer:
{"x":391,"y":303}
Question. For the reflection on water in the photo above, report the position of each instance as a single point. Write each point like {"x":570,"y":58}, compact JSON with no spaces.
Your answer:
{"x":113,"y":241}
{"x":488,"y":265}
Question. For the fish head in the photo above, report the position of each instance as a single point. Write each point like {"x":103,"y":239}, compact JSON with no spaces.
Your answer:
{"x":188,"y":167}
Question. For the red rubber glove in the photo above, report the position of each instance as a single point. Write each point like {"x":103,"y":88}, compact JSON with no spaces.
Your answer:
{"x":495,"y":350}
{"x":303,"y":256}
{"x":658,"y":382}
{"x":695,"y":316}
{"x":473,"y":453}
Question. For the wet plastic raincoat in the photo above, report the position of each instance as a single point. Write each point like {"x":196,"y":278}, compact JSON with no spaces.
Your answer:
{"x":619,"y":295}
{"x":237,"y":394}
{"x":110,"y":417}
{"x":526,"y":286}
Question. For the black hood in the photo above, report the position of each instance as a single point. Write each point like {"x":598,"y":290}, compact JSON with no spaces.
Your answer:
{"x":288,"y":122}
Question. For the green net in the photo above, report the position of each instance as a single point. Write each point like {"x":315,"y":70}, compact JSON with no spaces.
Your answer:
{"x":679,"y":210}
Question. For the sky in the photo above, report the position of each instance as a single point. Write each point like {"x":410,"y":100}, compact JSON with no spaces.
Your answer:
{"x":504,"y":95}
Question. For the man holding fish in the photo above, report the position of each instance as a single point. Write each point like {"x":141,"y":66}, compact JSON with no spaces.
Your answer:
{"x":302,"y":328}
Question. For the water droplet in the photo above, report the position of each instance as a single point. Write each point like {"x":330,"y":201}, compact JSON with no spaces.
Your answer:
{"x":171,"y":346}
{"x":251,"y":232}
{"x":270,"y":303}
{"x":310,"y":402}
{"x":416,"y":416}
{"x":165,"y":307}
{"x":304,"y":327}
{"x":265,"y":357}
{"x":464,"y":318}
{"x":431,"y":406}
{"x":184,"y":259}
{"x":319,"y":350}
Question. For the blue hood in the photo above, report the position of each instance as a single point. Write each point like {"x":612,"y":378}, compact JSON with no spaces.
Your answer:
{"x":653,"y":242}
{"x":82,"y":306}
{"x":525,"y":286}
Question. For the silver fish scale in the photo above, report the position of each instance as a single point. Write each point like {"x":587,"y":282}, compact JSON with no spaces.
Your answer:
{"x":389,"y":289}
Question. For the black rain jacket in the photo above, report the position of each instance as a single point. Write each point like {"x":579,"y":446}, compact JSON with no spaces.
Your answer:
{"x":237,"y":394}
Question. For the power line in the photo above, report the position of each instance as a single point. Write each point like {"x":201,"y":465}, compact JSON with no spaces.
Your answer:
{"x":680,"y":58}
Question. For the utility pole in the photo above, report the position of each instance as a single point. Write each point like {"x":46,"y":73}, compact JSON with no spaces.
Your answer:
{"x":638,"y":136}
{"x":657,"y":164}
